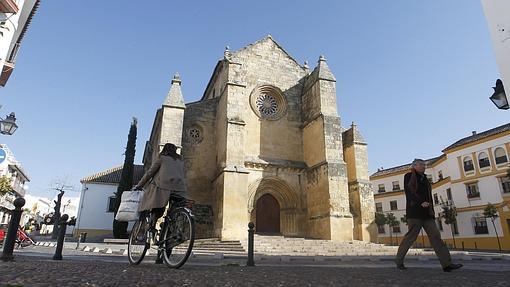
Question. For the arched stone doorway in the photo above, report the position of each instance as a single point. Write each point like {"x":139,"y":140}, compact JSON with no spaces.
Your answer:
{"x":286,"y":199}
{"x":268,"y":215}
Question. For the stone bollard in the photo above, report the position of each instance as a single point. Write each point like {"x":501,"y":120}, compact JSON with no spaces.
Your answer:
{"x":81,"y":239}
{"x":251,"y":233}
{"x":61,"y":235}
{"x":78,"y":242}
{"x":12,"y":231}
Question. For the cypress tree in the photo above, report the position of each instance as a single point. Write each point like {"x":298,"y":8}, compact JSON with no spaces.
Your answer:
{"x":126,"y":180}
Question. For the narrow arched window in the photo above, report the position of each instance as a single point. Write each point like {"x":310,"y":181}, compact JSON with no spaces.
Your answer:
{"x":483,"y":160}
{"x":468,"y":164}
{"x":500,"y":155}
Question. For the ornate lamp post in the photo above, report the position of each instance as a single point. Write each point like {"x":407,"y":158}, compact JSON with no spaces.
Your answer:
{"x":499,"y":97}
{"x":8,"y":125}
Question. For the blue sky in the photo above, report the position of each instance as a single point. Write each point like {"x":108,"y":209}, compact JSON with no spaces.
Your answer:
{"x":415,"y":75}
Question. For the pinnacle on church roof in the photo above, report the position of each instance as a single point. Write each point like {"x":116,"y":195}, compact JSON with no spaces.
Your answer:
{"x":227,"y":54}
{"x":176,"y":79}
{"x":353,"y":135}
{"x":324,"y":73}
{"x":174,"y":97}
{"x":356,"y":133}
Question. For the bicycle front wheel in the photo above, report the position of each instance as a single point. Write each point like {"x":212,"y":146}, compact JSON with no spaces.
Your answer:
{"x":179,"y":236}
{"x":138,"y":243}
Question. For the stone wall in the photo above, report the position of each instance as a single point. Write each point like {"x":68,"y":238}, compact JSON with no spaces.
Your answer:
{"x":327,"y":188}
{"x":199,"y":152}
{"x":265,"y":63}
{"x":361,"y":194}
{"x":297,"y":156}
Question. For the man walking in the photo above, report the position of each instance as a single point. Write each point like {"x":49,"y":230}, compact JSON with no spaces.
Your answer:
{"x":420,"y":214}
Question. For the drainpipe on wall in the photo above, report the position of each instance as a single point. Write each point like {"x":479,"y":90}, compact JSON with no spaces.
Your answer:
{"x":82,"y":196}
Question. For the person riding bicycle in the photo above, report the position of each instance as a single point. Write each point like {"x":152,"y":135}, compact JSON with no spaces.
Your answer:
{"x":165,"y":177}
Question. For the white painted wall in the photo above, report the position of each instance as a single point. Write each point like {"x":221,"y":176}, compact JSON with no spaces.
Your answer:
{"x":92,"y":210}
{"x":497,"y":13}
{"x":489,"y":187}
{"x":14,"y":25}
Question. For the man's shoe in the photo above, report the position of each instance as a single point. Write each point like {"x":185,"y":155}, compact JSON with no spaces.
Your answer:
{"x":401,"y":267}
{"x":451,"y":267}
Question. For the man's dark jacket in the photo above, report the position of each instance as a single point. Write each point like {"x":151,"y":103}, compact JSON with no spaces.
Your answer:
{"x":415,"y":199}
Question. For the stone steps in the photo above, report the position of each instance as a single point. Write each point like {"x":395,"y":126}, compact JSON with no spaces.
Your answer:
{"x":217,"y":245}
{"x":310,"y":247}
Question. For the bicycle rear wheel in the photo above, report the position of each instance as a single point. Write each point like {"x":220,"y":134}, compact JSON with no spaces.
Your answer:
{"x":138,"y":243}
{"x":26,"y":242}
{"x":179,"y":236}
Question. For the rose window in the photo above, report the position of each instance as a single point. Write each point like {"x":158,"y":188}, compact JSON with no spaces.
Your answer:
{"x":194,"y":135}
{"x":267,"y":105}
{"x":268,"y":102}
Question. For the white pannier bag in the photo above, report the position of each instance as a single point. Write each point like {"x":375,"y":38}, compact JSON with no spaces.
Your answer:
{"x":128,"y":208}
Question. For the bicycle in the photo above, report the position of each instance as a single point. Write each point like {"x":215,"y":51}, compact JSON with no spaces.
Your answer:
{"x":174,"y":240}
{"x":22,"y":239}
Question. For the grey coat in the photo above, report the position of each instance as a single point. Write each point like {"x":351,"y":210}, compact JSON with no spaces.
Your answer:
{"x":165,"y":176}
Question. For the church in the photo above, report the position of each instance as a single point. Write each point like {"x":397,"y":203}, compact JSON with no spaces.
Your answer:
{"x":265,"y":144}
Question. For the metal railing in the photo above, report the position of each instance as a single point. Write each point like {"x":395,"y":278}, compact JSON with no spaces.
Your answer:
{"x":14,"y":53}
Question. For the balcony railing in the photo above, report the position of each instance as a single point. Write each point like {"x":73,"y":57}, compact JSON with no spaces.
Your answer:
{"x":473,"y":194}
{"x":8,"y":6}
{"x":6,"y":73}
{"x":481,"y":230}
{"x":501,"y":159}
{"x":469,"y":167}
{"x":9,"y":65}
{"x":6,"y":201}
{"x":506,"y":186}
{"x":19,"y":189}
{"x":14,"y":53}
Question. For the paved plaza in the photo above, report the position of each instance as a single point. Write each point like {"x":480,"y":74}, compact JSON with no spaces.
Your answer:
{"x":33,"y":267}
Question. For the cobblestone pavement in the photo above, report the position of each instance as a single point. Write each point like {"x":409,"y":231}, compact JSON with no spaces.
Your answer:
{"x":37,"y":271}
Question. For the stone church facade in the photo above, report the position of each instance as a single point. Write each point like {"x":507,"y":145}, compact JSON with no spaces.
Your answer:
{"x":265,"y":144}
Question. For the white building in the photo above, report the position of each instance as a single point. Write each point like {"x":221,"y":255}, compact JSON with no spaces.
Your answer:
{"x":95,"y":212}
{"x":15,"y":16}
{"x":11,"y":168}
{"x":38,"y":207}
{"x":497,"y":13}
{"x":470,"y":173}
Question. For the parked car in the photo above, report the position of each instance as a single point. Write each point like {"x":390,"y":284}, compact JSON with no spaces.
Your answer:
{"x":3,"y":232}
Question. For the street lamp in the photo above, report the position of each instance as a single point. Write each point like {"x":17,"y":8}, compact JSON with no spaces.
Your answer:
{"x":499,"y":96}
{"x":8,"y":126}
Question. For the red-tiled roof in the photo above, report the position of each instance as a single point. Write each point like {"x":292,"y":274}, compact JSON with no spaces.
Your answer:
{"x":479,"y":136}
{"x":463,"y":141}
{"x":428,"y":162}
{"x":112,"y":175}
{"x":29,"y":20}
